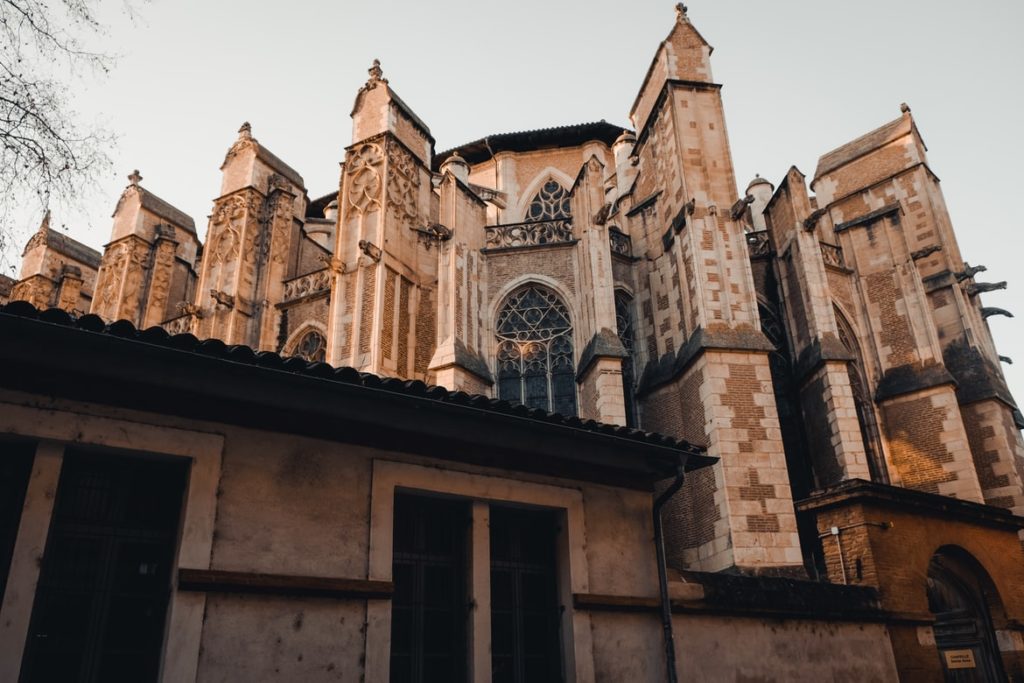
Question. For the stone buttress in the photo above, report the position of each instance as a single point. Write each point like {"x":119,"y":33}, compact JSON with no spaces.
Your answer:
{"x":712,"y":384}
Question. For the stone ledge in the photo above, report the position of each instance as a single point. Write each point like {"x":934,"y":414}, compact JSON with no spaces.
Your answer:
{"x":860,"y":491}
{"x":668,"y":367}
{"x":907,"y":379}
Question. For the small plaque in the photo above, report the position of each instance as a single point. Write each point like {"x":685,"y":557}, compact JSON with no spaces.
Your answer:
{"x":959,"y":659}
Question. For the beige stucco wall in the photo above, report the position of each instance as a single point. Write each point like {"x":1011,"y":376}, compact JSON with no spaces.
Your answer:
{"x":280,"y":504}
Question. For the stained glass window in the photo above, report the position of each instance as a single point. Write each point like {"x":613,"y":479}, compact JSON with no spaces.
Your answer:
{"x":627,"y":335}
{"x":535,"y":352}
{"x":550,"y":203}
{"x":312,"y":347}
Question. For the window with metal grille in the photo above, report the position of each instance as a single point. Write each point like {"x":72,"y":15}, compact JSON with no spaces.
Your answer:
{"x":550,"y":203}
{"x":15,"y":468}
{"x":535,"y":351}
{"x":105,"y":580}
{"x":430,"y":606}
{"x":525,"y":611}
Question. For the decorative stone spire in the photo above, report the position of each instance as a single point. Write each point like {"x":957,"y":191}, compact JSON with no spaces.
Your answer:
{"x":135,"y":178}
{"x":376,"y":74}
{"x":245,"y":132}
{"x":905,"y":108}
{"x":681,"y":10}
{"x":45,"y":225}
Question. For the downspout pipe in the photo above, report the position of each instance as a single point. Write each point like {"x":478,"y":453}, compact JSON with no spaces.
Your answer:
{"x":659,"y":543}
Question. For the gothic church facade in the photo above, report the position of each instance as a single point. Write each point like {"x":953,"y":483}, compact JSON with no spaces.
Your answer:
{"x":808,"y":341}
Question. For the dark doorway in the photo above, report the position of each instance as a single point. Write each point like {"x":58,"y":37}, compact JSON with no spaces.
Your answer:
{"x":430,"y":606}
{"x":963,"y":625}
{"x":15,"y":468}
{"x":525,"y":611}
{"x":100,"y":608}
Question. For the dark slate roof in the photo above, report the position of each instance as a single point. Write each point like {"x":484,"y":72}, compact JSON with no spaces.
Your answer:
{"x":67,"y":246}
{"x":233,"y":356}
{"x":316,"y":207}
{"x":531,"y":140}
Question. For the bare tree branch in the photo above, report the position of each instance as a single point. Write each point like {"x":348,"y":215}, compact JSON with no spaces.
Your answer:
{"x":46,"y":154}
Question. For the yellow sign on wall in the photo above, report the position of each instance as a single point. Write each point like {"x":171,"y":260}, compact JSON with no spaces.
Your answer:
{"x":959,"y":659}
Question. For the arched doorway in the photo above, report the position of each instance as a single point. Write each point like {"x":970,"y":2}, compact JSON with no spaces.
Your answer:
{"x":960,"y":595}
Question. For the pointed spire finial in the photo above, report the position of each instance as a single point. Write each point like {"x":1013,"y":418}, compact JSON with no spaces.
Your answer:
{"x":905,"y":108}
{"x":45,"y":225}
{"x":681,"y":10}
{"x":245,"y":131}
{"x":134,"y":178}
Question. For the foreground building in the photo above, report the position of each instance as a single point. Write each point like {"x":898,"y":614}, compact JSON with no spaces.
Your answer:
{"x":821,"y":367}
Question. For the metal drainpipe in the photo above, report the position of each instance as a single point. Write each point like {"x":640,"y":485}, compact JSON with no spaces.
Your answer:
{"x":666,"y":604}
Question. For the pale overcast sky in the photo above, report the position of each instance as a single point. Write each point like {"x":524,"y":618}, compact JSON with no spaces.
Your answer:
{"x":801,"y":77}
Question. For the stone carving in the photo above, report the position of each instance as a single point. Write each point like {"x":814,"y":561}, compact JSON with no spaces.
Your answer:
{"x":832,"y":255}
{"x":244,"y":142}
{"x":925,"y":253}
{"x":403,"y":183}
{"x":758,"y":244}
{"x":370,"y":249}
{"x":363,"y":171}
{"x":312,"y":283}
{"x":532,"y":234}
{"x":189,"y":308}
{"x":621,"y":244}
{"x":160,"y":284}
{"x":222,"y":299}
{"x":228,"y":216}
{"x":740,"y":207}
{"x":976,"y":288}
{"x":1006,"y":359}
{"x":435,"y":233}
{"x":989,"y":312}
{"x":969,"y":272}
{"x":180,"y":325}
{"x":110,"y":276}
{"x":811,"y":222}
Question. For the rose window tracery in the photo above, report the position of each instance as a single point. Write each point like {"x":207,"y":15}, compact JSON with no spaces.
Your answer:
{"x":550,"y":203}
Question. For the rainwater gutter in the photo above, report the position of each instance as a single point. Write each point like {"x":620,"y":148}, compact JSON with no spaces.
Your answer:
{"x":659,"y":542}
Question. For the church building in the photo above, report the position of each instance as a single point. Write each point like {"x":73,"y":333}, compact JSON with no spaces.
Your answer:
{"x":552,"y":405}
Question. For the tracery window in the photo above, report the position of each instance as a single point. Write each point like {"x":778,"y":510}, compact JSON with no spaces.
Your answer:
{"x":863,"y":401}
{"x":550,"y":203}
{"x":535,"y":351}
{"x":627,"y":336}
{"x":312,"y":347}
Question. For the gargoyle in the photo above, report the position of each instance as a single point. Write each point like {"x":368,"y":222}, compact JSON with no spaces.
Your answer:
{"x":740,"y":207}
{"x":989,"y":312}
{"x":968,"y":272}
{"x":976,"y":288}
{"x":1006,"y":359}
{"x":223,"y":298}
{"x":926,"y":252}
{"x":811,"y":221}
{"x":370,"y":249}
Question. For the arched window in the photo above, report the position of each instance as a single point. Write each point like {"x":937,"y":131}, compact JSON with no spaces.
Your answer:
{"x":863,"y":402}
{"x":311,"y":346}
{"x":535,"y":353}
{"x":550,"y":203}
{"x":627,"y":336}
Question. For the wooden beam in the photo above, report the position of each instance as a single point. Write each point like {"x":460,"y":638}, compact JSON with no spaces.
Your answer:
{"x":215,"y":581}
